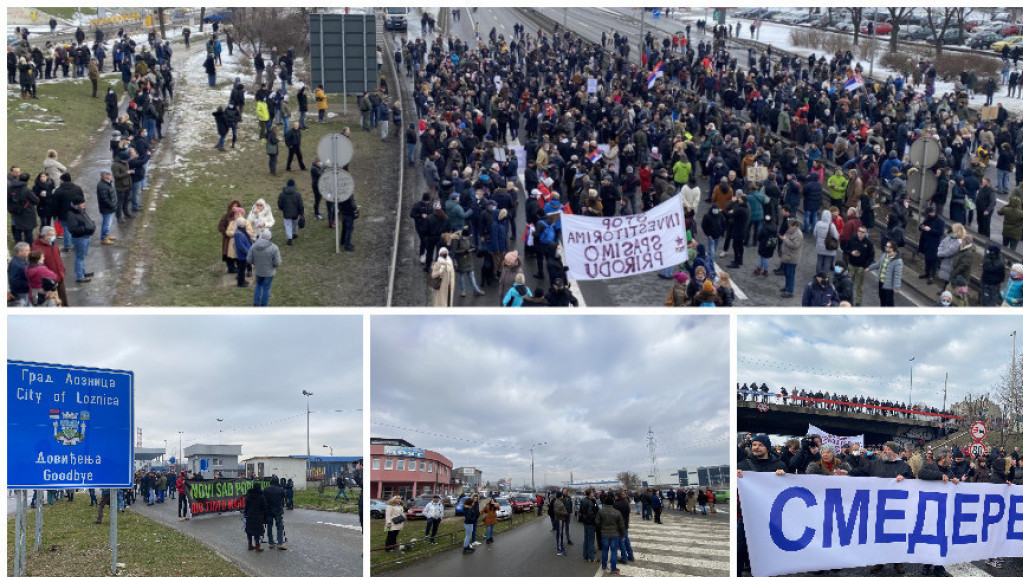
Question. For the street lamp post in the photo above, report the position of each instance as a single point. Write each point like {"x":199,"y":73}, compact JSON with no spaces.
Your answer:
{"x":911,"y":382}
{"x":308,"y":452}
{"x":221,"y":431}
{"x":331,"y":449}
{"x":181,"y":456}
{"x":532,"y":468}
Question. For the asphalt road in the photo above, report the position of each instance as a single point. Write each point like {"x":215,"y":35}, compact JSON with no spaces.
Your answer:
{"x":319,"y":543}
{"x":696,"y":546}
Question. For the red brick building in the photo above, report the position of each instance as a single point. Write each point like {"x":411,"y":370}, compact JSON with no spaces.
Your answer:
{"x":397,"y":467}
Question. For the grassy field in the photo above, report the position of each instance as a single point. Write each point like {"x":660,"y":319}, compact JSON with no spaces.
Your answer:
{"x":183,"y":245}
{"x":73,"y":546}
{"x":313,"y":499}
{"x":67,"y":13}
{"x":64,"y":118}
{"x":450,"y":536}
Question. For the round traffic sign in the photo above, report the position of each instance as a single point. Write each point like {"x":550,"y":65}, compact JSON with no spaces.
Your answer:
{"x":977,"y":449}
{"x":345,"y":185}
{"x":335,"y":148}
{"x":978,"y":431}
{"x":924,"y":152}
{"x":762,"y":407}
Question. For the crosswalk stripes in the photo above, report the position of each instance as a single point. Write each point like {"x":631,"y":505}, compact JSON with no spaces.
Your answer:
{"x":683,"y":546}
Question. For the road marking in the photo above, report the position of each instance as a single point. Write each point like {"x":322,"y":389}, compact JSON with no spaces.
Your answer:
{"x":738,"y":291}
{"x":632,"y":571}
{"x":723,"y":540}
{"x":343,"y":526}
{"x":719,"y":554}
{"x":690,"y":562}
{"x":966,"y":570}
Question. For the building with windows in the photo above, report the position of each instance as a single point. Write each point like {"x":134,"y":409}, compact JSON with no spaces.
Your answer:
{"x":397,"y":467}
{"x":714,"y":477}
{"x":213,"y":459}
{"x":293,"y":468}
{"x":468,"y":477}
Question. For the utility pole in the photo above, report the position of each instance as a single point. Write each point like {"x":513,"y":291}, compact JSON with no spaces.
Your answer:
{"x":945,"y":397}
{"x":308,"y":451}
{"x":532,"y":469}
{"x":873,"y":41}
{"x":181,"y":462}
{"x":221,"y":431}
{"x":1013,"y":388}
{"x":911,"y":382}
{"x":651,"y":444}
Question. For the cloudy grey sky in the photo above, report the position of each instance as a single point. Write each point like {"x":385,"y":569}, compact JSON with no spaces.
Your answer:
{"x":481,"y":390}
{"x":870,"y":354}
{"x":190,"y":370}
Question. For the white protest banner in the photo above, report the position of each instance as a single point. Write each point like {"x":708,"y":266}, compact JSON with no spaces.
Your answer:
{"x":797,"y":523}
{"x":600,"y":248}
{"x":836,"y":440}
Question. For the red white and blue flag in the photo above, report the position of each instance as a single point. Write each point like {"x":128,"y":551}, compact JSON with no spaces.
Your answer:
{"x":657,"y":72}
{"x":595,"y":156}
{"x":853,"y":82}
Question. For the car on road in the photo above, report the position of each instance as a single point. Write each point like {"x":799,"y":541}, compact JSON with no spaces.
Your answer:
{"x":377,"y":508}
{"x":505,"y":511}
{"x":416,"y":510}
{"x":458,"y":506}
{"x":720,"y":496}
{"x":983,"y":40}
{"x":396,"y":18}
{"x":883,"y":28}
{"x":449,"y":500}
{"x":1011,"y":42}
{"x":522,"y":503}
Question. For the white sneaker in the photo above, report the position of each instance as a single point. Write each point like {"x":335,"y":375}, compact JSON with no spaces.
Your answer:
{"x":476,"y":543}
{"x":723,"y":255}
{"x":422,"y":259}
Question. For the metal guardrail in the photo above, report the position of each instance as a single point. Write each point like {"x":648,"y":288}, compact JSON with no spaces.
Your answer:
{"x":396,"y":240}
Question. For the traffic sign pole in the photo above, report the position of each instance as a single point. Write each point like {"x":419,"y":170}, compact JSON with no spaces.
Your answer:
{"x":113,"y":530}
{"x":337,"y":205}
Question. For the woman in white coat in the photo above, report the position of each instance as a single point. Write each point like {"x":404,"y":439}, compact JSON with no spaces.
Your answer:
{"x":260,"y":217}
{"x":395,"y":510}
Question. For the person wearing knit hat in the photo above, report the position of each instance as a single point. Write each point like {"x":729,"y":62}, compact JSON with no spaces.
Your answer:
{"x":761,"y":458}
{"x":677,"y":296}
{"x":945,"y":299}
{"x":1012,"y":292}
{"x":828,"y":464}
{"x":708,"y":295}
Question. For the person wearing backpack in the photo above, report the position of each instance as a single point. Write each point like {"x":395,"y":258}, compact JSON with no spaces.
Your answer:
{"x":81,"y":227}
{"x":21,"y":203}
{"x":517,"y":293}
{"x":546,"y":243}
{"x":272,"y":148}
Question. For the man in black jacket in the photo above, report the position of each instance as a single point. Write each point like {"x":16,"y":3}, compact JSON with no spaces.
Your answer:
{"x":888,"y":465}
{"x":275,"y":513}
{"x":293,"y":140}
{"x":64,"y":197}
{"x":860,"y":252}
{"x":588,"y":517}
{"x":106,"y":197}
{"x":81,"y":228}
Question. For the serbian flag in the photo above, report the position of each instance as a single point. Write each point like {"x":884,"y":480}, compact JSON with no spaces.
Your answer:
{"x":643,"y":57}
{"x":852,"y":83}
{"x":595,"y":156}
{"x":708,"y":65}
{"x":656,"y":73}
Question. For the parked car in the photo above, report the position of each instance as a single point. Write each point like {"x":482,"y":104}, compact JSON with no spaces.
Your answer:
{"x":883,"y":28}
{"x":983,"y":40}
{"x":1011,"y":42}
{"x":522,"y":503}
{"x":449,"y":500}
{"x":919,"y":34}
{"x":1010,"y":30}
{"x":377,"y":508}
{"x":416,"y":510}
{"x":720,"y":496}
{"x":505,"y":511}
{"x":396,"y":19}
{"x":951,"y":38}
{"x":458,"y":506}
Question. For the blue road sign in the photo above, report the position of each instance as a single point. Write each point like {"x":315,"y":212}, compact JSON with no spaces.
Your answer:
{"x":171,"y":460}
{"x":204,"y":465}
{"x":656,"y":13}
{"x":69,"y":427}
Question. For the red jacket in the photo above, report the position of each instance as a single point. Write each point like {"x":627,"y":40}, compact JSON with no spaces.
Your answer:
{"x":52,"y":260}
{"x":180,"y":484}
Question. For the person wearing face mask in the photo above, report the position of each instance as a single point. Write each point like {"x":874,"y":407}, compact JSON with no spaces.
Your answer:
{"x":945,"y":300}
{"x":960,"y":291}
{"x":819,"y":292}
{"x":767,"y":242}
{"x":860,"y":252}
{"x":843,"y":282}
{"x":889,"y":274}
{"x":47,"y":244}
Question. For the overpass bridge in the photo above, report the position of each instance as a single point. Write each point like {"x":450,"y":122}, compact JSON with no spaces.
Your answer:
{"x":790,"y":419}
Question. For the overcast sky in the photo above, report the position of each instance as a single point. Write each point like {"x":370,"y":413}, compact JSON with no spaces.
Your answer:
{"x":869,"y":355}
{"x":481,"y":390}
{"x":191,"y":370}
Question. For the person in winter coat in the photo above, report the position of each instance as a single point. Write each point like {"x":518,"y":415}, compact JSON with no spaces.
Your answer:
{"x":241,"y":234}
{"x":471,"y":512}
{"x":740,"y":218}
{"x":106,"y":197}
{"x":490,"y":519}
{"x":47,"y":244}
{"x":321,"y":103}
{"x":293,"y":140}
{"x":932,"y":228}
{"x":21,"y":204}
{"x":52,"y":167}
{"x":260,"y":217}
{"x":828,"y":464}
{"x":457,"y":216}
{"x":274,"y":495}
{"x":713,"y":226}
{"x":81,"y":228}
{"x":395,"y":512}
{"x":443,"y":269}
{"x":272,"y":150}
{"x":790,"y":243}
{"x":612,"y":527}
{"x":843,"y":283}
{"x":948,"y":248}
{"x":677,"y":296}
{"x":889,"y":274}
{"x":264,"y":257}
{"x":517,"y":293}
{"x":812,"y":195}
{"x":220,"y":117}
{"x":819,"y":292}
{"x":825,"y":233}
{"x":992,"y":277}
{"x":465,"y":266}
{"x":256,"y":515}
{"x":233,"y":211}
{"x":43,"y":190}
{"x":211,"y":70}
{"x":1012,"y":224}
{"x":962,"y":261}
{"x":292,"y":209}
{"x":1012,"y":293}
{"x":767,"y":242}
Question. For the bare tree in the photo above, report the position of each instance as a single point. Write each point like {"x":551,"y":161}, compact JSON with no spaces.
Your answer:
{"x":857,"y":17}
{"x":938,"y":20}
{"x":896,"y":17}
{"x":202,"y":18}
{"x":1008,"y":395}
{"x":163,"y":23}
{"x":265,"y":28}
{"x":629,"y":480}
